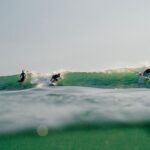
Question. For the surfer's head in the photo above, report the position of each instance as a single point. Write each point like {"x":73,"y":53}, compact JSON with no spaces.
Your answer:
{"x":23,"y":71}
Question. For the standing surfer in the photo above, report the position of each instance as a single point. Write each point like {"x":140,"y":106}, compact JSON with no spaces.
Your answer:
{"x":22,"y":77}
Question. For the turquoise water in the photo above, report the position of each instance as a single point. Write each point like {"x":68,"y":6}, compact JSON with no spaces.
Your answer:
{"x":11,"y":83}
{"x":100,"y":79}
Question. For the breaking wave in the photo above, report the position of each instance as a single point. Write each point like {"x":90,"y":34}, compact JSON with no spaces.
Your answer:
{"x":117,"y":78}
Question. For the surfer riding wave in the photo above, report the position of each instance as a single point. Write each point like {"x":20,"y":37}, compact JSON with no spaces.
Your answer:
{"x":22,"y":77}
{"x":55,"y":77}
{"x":144,"y":76}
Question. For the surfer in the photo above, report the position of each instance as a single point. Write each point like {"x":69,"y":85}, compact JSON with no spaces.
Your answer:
{"x":144,"y":76}
{"x":55,"y":77}
{"x":146,"y":72}
{"x":22,"y":77}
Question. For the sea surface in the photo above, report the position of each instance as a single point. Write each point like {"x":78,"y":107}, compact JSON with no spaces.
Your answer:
{"x":78,"y":99}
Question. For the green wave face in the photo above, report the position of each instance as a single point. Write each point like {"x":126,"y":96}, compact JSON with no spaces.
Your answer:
{"x":126,"y":78}
{"x":11,"y":83}
{"x":101,"y":79}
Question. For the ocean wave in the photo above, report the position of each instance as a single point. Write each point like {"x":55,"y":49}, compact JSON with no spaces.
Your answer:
{"x":115,"y":78}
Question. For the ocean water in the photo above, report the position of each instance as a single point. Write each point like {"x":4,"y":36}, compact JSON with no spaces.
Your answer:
{"x":79,"y":98}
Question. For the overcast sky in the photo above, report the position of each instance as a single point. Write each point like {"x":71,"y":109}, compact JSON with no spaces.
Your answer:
{"x":48,"y":35}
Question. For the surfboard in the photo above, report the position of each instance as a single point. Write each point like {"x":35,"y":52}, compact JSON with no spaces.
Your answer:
{"x":53,"y":84}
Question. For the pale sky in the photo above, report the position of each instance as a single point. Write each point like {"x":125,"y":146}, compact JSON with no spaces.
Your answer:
{"x":81,"y":35}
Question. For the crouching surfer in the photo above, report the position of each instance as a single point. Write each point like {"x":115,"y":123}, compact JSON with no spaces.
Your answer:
{"x":146,"y":73}
{"x":22,"y":77}
{"x":144,"y":76}
{"x":55,"y":77}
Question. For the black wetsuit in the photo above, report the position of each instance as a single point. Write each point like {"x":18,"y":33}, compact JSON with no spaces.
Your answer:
{"x":55,"y":77}
{"x":146,"y":72}
{"x":23,"y":77}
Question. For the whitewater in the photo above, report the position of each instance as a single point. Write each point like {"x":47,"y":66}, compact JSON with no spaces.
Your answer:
{"x":79,"y":98}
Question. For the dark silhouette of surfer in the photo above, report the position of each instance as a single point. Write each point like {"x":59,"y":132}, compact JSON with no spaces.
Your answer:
{"x":22,"y":77}
{"x":55,"y":77}
{"x":144,"y":76}
{"x":146,"y":72}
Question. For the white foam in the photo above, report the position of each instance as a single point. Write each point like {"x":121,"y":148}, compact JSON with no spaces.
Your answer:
{"x":62,"y":106}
